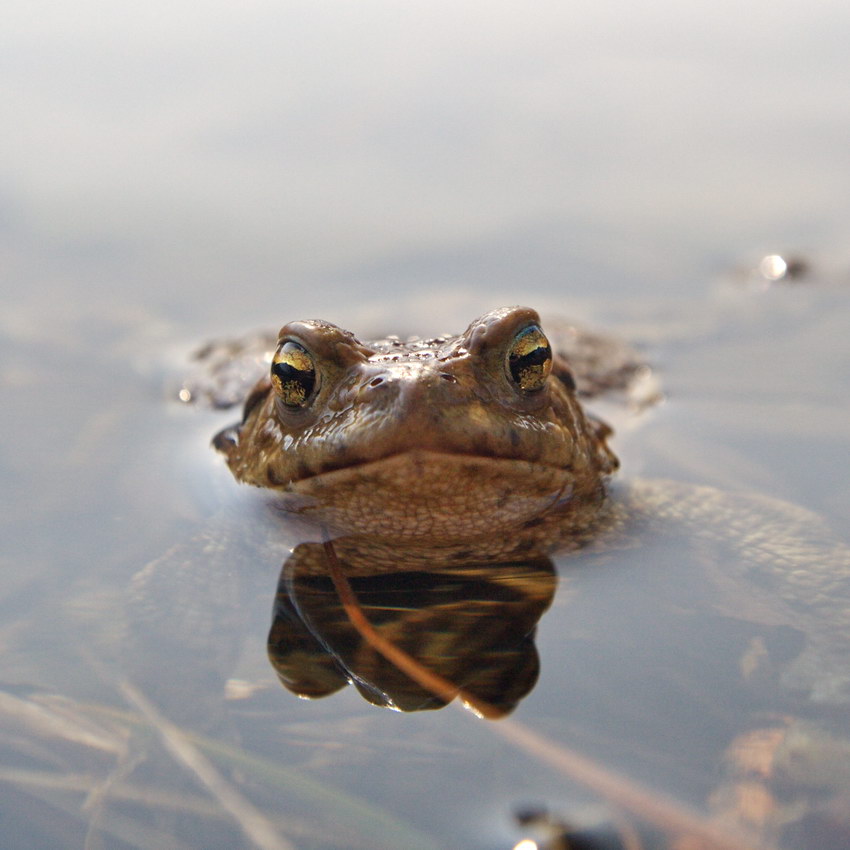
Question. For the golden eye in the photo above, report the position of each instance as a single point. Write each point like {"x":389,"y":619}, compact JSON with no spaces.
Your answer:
{"x":293,"y":374}
{"x":529,"y":359}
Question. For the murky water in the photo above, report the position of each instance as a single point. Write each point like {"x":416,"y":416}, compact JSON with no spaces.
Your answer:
{"x":171,"y":178}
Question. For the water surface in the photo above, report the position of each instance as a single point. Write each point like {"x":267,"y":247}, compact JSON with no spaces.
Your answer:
{"x":171,"y":177}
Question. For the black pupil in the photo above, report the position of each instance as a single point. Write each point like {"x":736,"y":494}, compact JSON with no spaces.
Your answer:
{"x":537,"y":357}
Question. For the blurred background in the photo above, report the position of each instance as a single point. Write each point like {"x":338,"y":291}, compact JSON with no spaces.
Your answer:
{"x":232,"y":163}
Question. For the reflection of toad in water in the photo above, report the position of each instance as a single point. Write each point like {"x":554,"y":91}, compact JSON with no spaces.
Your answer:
{"x":472,"y":625}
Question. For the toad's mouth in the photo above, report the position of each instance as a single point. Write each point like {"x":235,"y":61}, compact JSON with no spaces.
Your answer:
{"x":424,"y":463}
{"x":424,"y":493}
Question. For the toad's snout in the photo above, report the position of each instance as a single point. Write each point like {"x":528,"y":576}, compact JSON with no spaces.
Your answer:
{"x":408,"y":388}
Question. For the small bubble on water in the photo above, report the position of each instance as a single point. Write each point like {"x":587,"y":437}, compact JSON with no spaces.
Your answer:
{"x":773,"y":267}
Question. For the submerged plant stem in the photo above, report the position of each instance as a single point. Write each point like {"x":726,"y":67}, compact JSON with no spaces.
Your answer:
{"x":253,"y":823}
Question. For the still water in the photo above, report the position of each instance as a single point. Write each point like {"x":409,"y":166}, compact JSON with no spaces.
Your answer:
{"x":168,"y":178}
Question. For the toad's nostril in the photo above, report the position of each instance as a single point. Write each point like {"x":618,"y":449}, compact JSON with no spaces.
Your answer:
{"x":447,"y":377}
{"x":376,"y":382}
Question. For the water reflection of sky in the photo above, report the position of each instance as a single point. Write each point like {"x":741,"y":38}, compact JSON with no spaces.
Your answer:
{"x":236,"y":147}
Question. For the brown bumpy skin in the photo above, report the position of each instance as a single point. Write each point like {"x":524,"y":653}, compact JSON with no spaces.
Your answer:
{"x":425,"y":440}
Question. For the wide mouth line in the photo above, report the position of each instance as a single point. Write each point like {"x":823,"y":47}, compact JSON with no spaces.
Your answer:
{"x":459,"y":457}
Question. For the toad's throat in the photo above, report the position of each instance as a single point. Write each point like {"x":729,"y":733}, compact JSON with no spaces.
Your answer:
{"x":420,"y":494}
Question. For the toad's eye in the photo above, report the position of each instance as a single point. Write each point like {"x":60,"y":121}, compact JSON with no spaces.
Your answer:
{"x":293,"y":374}
{"x":529,"y":359}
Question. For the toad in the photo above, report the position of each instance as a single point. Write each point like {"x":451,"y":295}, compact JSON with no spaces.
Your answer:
{"x":435,"y":442}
